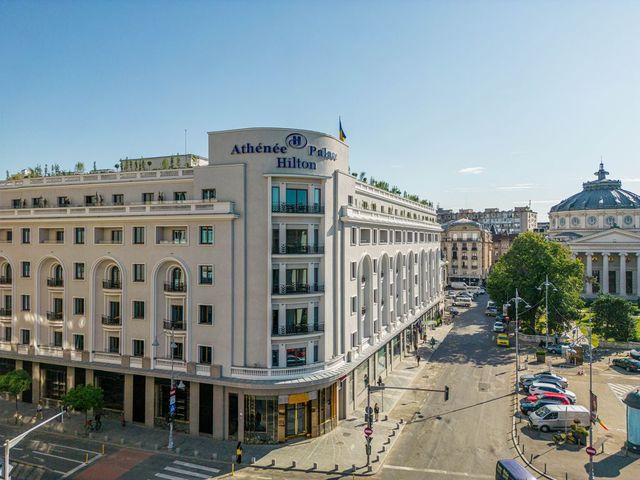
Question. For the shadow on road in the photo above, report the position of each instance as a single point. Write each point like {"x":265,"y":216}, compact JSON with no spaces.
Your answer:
{"x":439,"y":415}
{"x":612,"y":465}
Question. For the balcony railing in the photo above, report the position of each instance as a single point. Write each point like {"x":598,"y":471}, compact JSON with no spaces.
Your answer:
{"x":54,"y":315}
{"x":297,"y":248}
{"x":296,"y":208}
{"x":112,"y":284}
{"x":55,"y":282}
{"x":5,"y":312}
{"x":109,"y":320}
{"x":174,"y":324}
{"x":174,"y":287}
{"x":297,"y":288}
{"x":297,"y":329}
{"x":5,"y":280}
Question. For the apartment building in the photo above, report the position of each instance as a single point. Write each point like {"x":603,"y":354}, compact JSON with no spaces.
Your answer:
{"x":273,"y":284}
{"x":467,"y":248}
{"x":518,"y":220}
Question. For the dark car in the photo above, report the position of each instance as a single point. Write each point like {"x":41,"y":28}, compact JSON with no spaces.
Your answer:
{"x":527,"y":406}
{"x":629,"y":364}
{"x":635,"y":354}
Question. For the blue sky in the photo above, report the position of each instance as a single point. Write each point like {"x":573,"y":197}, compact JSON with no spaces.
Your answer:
{"x":467,"y":103}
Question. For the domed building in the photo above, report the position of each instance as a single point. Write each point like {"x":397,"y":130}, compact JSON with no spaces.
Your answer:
{"x":601,"y":226}
{"x":466,"y":245}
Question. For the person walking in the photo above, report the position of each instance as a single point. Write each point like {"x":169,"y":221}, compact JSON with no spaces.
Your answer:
{"x":39,"y":411}
{"x":239,"y":453}
{"x":379,"y":380}
{"x":376,"y":411}
{"x":418,"y":358}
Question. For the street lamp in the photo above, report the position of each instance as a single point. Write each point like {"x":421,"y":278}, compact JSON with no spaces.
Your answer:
{"x":172,"y":347}
{"x":517,"y":299}
{"x":546,"y":285}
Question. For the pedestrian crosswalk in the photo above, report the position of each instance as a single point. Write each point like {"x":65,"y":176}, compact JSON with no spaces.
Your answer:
{"x":179,"y":470}
{"x":621,"y":390}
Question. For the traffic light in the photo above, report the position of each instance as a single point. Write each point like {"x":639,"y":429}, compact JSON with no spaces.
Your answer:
{"x":446,"y":393}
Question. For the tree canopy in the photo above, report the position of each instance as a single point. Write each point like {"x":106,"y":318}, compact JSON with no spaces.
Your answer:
{"x":84,"y":398}
{"x":612,"y":318}
{"x":524,"y":267}
{"x":14,"y":383}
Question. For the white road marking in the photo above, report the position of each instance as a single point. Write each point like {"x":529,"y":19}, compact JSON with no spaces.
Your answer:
{"x":620,"y":390}
{"x":58,"y":456}
{"x":73,"y":448}
{"x":193,"y":465}
{"x":170,"y":477}
{"x":187,"y":472}
{"x":81,"y":466}
{"x":432,"y":470}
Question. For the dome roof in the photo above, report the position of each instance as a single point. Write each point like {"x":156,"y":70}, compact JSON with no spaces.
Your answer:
{"x":462,"y":222}
{"x":600,"y":194}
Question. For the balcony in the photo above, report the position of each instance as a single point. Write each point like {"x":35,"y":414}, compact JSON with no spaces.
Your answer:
{"x":175,"y":287}
{"x":55,"y":282}
{"x":285,"y":372}
{"x":297,"y":288}
{"x":54,"y":316}
{"x":111,"y":321}
{"x":6,"y":312}
{"x":174,"y":325}
{"x":6,"y":280}
{"x":112,"y":284}
{"x":301,"y":329}
{"x":297,"y":249}
{"x":296,"y":208}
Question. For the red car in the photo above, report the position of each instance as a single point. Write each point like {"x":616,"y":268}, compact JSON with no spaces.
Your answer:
{"x":563,"y":399}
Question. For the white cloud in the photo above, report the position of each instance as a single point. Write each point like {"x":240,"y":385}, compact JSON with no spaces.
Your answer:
{"x":517,"y":186}
{"x":471,"y":170}
{"x":545,"y":201}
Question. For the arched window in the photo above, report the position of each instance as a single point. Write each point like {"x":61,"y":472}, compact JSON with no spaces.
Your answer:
{"x":57,"y":272}
{"x":177,"y":278}
{"x":7,"y":272}
{"x":114,"y":276}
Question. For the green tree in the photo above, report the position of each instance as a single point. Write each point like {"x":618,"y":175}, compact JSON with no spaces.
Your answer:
{"x":14,"y":383}
{"x":612,"y":318}
{"x":524,"y":266}
{"x":84,"y":398}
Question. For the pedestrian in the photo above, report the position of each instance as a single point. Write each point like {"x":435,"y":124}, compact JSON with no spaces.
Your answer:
{"x":379,"y":380}
{"x":418,"y":358}
{"x":39,"y":410}
{"x":366,"y":380}
{"x":376,"y":411}
{"x":239,"y":453}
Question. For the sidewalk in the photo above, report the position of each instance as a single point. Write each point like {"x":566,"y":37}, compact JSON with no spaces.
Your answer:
{"x":343,"y":447}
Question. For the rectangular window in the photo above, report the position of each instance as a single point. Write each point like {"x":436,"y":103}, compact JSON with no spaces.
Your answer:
{"x":138,"y":309}
{"x":205,"y":354}
{"x":59,"y":236}
{"x":375,"y":237}
{"x":26,"y":235}
{"x":138,"y":272}
{"x":25,"y":336}
{"x":205,"y":275}
{"x":179,"y":236}
{"x":315,"y":352}
{"x":296,"y":356}
{"x":206,"y":235}
{"x":78,"y":271}
{"x":117,"y":199}
{"x":179,"y":196}
{"x":7,"y":334}
{"x":275,"y":357}
{"x":16,"y":203}
{"x":25,"y":268}
{"x":90,"y":200}
{"x":57,"y":338}
{"x":114,"y":345}
{"x":365,"y":236}
{"x":63,"y":201}
{"x":178,"y":350}
{"x":317,"y":196}
{"x":78,"y":306}
{"x":354,"y":267}
{"x":25,"y":301}
{"x":209,"y":194}
{"x":205,"y":314}
{"x":147,"y":197}
{"x":275,"y":199}
{"x":78,"y":235}
{"x":354,"y":305}
{"x":37,"y":202}
{"x":354,"y":235}
{"x":350,"y":200}
{"x":138,"y":235}
{"x":138,"y":348}
{"x":116,"y":236}
{"x":78,"y":342}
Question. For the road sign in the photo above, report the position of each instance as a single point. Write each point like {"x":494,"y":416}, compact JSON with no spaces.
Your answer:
{"x":368,"y":431}
{"x":172,"y":392}
{"x":172,"y":409}
{"x":590,"y":451}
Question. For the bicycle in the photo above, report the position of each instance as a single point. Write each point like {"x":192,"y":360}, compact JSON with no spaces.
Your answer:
{"x":89,"y":426}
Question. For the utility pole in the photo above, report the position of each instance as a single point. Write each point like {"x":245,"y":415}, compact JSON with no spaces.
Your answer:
{"x":591,"y":423}
{"x":517,"y":299}
{"x":546,"y":285}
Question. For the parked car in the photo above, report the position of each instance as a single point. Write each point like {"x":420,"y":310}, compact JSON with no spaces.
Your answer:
{"x":527,"y":405}
{"x":462,"y":301}
{"x":550,"y":395}
{"x":499,"y":327}
{"x":491,"y":311}
{"x":527,"y":380}
{"x":629,"y":364}
{"x":635,"y":354}
{"x":555,"y":348}
{"x":542,"y":387}
{"x":502,"y":340}
{"x":559,"y":417}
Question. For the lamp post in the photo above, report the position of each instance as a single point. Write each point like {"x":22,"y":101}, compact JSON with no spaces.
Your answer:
{"x":517,"y":299}
{"x":172,"y":391}
{"x":546,"y":285}
{"x":591,"y":422}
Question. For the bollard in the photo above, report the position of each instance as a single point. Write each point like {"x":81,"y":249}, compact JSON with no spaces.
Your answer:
{"x":566,"y":476}
{"x":369,"y":469}
{"x":273,"y":462}
{"x":386,"y":418}
{"x":393,"y":433}
{"x":103,"y":449}
{"x":353,"y":467}
{"x":336,"y":467}
{"x":86,"y":458}
{"x":233,"y":469}
{"x":401,"y":420}
{"x":523,"y":448}
{"x":531,"y":460}
{"x":196,"y":453}
{"x":383,"y":449}
{"x":91,"y":435}
{"x":156,"y":446}
{"x":377,"y":458}
{"x":214,"y":455}
{"x":121,"y":440}
{"x":253,"y":460}
{"x":545,"y":468}
{"x":178,"y":450}
{"x":293,"y":464}
{"x":315,"y":466}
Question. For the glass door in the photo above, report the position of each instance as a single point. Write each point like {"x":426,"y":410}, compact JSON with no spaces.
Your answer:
{"x":296,"y":419}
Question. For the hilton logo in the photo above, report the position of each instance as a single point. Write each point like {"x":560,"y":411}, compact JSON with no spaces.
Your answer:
{"x":296,"y":140}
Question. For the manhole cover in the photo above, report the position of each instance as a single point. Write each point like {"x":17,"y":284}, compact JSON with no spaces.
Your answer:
{"x":483,"y":387}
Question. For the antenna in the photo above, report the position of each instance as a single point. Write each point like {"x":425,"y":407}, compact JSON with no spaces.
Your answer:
{"x":185,"y":144}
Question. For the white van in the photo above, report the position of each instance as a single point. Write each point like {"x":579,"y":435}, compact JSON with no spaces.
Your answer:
{"x":462,"y":302}
{"x":458,"y":285}
{"x":558,"y":417}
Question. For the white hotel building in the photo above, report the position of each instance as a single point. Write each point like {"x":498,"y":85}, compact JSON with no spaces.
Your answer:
{"x":284,"y":282}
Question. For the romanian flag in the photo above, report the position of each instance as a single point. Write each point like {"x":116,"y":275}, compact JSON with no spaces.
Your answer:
{"x":601,"y":423}
{"x":343,"y":137}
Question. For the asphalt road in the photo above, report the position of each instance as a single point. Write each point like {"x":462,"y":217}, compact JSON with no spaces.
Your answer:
{"x":464,"y":437}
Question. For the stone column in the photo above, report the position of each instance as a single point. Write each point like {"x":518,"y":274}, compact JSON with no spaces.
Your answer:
{"x":622,"y":275}
{"x":604,"y":275}
{"x":149,"y":401}
{"x":589,"y":268}
{"x":194,"y":408}
{"x":35,"y":383}
{"x":128,"y":397}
